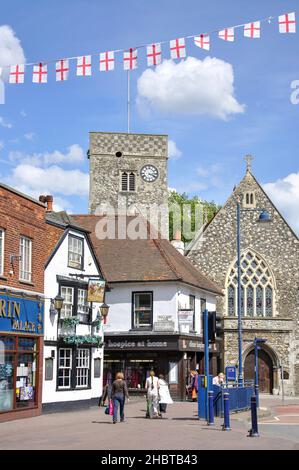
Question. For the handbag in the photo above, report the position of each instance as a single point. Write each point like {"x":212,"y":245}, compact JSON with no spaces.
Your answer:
{"x":107,"y":410}
{"x":110,"y":407}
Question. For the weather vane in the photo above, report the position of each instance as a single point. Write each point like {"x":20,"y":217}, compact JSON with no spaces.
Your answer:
{"x":248,"y":159}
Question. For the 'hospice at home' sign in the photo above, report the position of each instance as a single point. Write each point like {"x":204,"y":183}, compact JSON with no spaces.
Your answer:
{"x":21,"y":315}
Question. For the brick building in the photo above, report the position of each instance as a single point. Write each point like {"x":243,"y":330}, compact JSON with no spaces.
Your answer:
{"x":22,"y":258}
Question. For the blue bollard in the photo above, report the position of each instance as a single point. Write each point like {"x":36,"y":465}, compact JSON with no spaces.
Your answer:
{"x":211,"y":408}
{"x":226,"y":424}
{"x":254,"y":428}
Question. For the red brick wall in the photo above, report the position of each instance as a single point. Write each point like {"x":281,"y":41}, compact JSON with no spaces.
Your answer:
{"x":20,"y":216}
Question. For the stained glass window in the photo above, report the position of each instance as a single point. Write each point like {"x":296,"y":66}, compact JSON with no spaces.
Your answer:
{"x":269,"y":302}
{"x":257,"y":287}
{"x":231,"y":300}
{"x":259,"y":301}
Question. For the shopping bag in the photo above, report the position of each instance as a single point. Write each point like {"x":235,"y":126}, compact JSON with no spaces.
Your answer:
{"x":111,"y":408}
{"x":107,"y":410}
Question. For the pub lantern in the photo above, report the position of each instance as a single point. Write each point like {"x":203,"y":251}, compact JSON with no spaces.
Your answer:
{"x":104,"y":309}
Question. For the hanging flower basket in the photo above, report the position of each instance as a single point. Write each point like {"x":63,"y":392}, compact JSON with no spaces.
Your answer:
{"x":70,"y":322}
{"x":83,"y":339}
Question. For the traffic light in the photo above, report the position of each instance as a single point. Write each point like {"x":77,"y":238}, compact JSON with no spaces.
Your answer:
{"x":211,"y":328}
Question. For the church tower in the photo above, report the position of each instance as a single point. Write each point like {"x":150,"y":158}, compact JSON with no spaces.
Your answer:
{"x":127,"y":168}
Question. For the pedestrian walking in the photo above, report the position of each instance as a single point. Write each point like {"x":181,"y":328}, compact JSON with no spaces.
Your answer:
{"x":119,"y":394}
{"x":164,"y":395}
{"x":194,"y":385}
{"x":107,"y":390}
{"x":152,"y":388}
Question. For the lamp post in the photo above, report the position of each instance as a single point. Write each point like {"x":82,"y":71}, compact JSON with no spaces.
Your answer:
{"x":263,"y":217}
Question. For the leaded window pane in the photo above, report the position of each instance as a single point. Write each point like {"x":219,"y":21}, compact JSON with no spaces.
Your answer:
{"x":269,"y":302}
{"x":250,"y":309}
{"x":231,"y":300}
{"x":259,"y":301}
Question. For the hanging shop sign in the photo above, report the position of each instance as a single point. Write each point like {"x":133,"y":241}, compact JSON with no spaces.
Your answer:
{"x":96,"y":290}
{"x":21,"y":314}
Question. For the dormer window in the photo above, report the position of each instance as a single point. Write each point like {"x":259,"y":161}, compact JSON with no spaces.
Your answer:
{"x":128,"y":181}
{"x":249,"y":200}
{"x":75,"y":252}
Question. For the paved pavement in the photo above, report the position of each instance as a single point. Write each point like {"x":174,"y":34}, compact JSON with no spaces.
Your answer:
{"x":92,"y":429}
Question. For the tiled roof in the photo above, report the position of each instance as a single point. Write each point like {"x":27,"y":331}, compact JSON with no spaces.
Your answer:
{"x":127,"y":260}
{"x":63,"y":220}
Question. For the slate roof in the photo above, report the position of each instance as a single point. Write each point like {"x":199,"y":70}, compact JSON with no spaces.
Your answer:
{"x":127,"y":260}
{"x":63,"y":220}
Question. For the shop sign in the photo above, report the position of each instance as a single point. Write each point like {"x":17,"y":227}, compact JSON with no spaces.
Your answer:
{"x":191,"y":345}
{"x":96,"y":290}
{"x":185,"y":317}
{"x":21,"y":315}
{"x":164,"y":323}
{"x":140,"y":344}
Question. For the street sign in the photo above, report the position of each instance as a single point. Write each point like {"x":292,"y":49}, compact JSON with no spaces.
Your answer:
{"x":231,"y":373}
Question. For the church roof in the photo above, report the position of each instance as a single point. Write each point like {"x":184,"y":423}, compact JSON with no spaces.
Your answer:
{"x":249,"y":177}
{"x":142,"y":260}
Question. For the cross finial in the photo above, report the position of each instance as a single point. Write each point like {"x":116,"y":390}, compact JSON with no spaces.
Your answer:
{"x":248,"y":159}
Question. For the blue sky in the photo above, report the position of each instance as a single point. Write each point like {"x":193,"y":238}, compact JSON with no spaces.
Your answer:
{"x":43,"y":122}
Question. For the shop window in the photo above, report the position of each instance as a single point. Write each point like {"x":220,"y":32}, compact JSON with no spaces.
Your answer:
{"x":18,"y":372}
{"x":82,"y":368}
{"x":1,"y":252}
{"x":142,"y":309}
{"x":25,"y":259}
{"x":64,"y":368}
{"x":75,"y":252}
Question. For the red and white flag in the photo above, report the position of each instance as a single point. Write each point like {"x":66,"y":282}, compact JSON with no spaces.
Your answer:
{"x":202,"y":41}
{"x":177,"y":48}
{"x":252,"y":30}
{"x":40,"y":73}
{"x":287,"y":23}
{"x":17,"y":73}
{"x":84,"y":66}
{"x":62,"y":70}
{"x":154,"y":54}
{"x":227,"y":34}
{"x":130,"y":59}
{"x":106,"y":61}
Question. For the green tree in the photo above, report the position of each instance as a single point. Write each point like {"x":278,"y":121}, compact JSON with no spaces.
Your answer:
{"x":189,"y":209}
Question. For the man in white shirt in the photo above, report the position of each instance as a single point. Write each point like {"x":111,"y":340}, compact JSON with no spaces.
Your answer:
{"x":152,"y":387}
{"x":219,"y":379}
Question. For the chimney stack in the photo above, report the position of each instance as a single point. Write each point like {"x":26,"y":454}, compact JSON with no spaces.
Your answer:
{"x":48,"y":200}
{"x":177,"y":242}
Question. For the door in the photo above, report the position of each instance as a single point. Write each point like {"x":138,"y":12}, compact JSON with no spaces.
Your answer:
{"x":265,"y":365}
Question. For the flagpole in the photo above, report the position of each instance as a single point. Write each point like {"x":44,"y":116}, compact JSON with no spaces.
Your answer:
{"x":128,"y":102}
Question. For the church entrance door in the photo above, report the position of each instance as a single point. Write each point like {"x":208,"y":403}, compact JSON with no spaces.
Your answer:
{"x":265,"y":370}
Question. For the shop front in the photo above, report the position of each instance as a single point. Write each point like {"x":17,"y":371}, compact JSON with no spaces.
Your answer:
{"x":169,"y":354}
{"x":21,"y":345}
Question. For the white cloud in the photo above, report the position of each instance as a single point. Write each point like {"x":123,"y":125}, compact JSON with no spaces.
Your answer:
{"x":73,"y":154}
{"x":191,"y":86}
{"x":173,"y":152}
{"x":1,"y":144}
{"x":11,"y":51}
{"x":29,"y":136}
{"x":35,"y":181}
{"x":284,"y":192}
{"x":23,"y":113}
{"x":5,"y":123}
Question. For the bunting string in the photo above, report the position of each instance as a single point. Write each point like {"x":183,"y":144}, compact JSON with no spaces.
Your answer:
{"x":177,"y":50}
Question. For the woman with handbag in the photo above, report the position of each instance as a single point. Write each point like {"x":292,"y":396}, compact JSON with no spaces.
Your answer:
{"x":164,"y":395}
{"x":152,"y":388}
{"x":119,"y":393}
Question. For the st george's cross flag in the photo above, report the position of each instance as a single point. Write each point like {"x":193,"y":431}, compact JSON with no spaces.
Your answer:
{"x":252,"y":30}
{"x":40,"y":73}
{"x":227,"y":34}
{"x":17,"y":73}
{"x":130,"y":59}
{"x":177,"y":48}
{"x":83,"y":66}
{"x":106,"y":61}
{"x":153,"y":54}
{"x":202,"y":41}
{"x":62,"y":70}
{"x":287,"y":23}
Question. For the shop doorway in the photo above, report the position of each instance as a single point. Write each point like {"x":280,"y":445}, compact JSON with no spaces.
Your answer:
{"x":265,"y":365}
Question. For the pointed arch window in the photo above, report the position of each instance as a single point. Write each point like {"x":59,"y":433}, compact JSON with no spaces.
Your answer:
{"x":128,"y":181}
{"x":257,"y":294}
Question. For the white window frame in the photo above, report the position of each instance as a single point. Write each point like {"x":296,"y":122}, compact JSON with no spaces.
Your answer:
{"x":25,"y":267}
{"x":138,"y":309}
{"x":82,"y":367}
{"x":66,"y":302}
{"x":2,"y":242}
{"x":66,"y":370}
{"x":82,"y":304}
{"x":75,"y":255}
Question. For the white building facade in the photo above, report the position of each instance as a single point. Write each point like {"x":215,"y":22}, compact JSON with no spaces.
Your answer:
{"x":73,"y":342}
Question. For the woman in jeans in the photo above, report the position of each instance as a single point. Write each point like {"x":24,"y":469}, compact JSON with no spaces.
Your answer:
{"x":119,"y":394}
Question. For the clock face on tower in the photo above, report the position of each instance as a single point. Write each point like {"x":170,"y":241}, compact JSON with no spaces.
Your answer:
{"x":149,"y":173}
